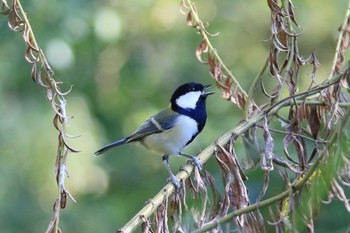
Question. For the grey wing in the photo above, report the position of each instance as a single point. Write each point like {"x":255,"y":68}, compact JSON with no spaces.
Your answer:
{"x":160,"y":122}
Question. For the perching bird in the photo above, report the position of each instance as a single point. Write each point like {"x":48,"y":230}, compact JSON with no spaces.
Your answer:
{"x":172,"y":129}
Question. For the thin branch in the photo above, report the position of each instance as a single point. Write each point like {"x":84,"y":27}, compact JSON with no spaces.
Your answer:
{"x":253,"y":87}
{"x":238,"y":95}
{"x":203,"y":32}
{"x":343,"y":29}
{"x":43,"y":75}
{"x":295,"y":134}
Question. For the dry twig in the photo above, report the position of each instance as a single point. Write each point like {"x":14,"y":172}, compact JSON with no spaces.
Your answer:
{"x":43,"y":75}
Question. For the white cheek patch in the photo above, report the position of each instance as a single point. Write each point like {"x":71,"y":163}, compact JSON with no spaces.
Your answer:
{"x":189,"y":100}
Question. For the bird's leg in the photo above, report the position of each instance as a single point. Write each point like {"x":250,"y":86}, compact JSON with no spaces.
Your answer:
{"x":194,"y":160}
{"x":172,"y":176}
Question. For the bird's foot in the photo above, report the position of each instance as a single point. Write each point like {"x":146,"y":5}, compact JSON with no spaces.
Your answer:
{"x":194,"y":160}
{"x":197,"y":163}
{"x":175,"y":182}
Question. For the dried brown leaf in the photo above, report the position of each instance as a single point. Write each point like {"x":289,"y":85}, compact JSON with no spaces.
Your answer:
{"x":313,"y":120}
{"x":56,"y":107}
{"x":217,"y":72}
{"x":242,"y":100}
{"x":35,"y":72}
{"x":161,"y":219}
{"x":275,"y":8}
{"x":63,"y":201}
{"x":190,"y":184}
{"x":216,"y":199}
{"x":14,"y":23}
{"x":265,"y":186}
{"x":226,"y":88}
{"x":279,"y":161}
{"x":5,"y":8}
{"x":200,"y":182}
{"x":235,"y":188}
{"x":267,"y":155}
{"x":189,"y":20}
{"x":70,"y":195}
{"x":288,"y":139}
{"x":302,"y":112}
{"x":315,"y":64}
{"x":30,"y":43}
{"x":282,"y":40}
{"x":212,"y":63}
{"x":301,"y":150}
{"x":71,"y":149}
{"x":293,"y":131}
{"x":202,"y":48}
{"x":275,"y":25}
{"x":30,"y":56}
{"x":174,"y":204}
{"x":276,"y":90}
{"x":291,"y":12}
{"x":63,"y":93}
{"x":53,"y":220}
{"x":56,"y":122}
{"x":145,"y":226}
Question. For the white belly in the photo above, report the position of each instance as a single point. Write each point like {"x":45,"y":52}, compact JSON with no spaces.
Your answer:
{"x":172,"y":141}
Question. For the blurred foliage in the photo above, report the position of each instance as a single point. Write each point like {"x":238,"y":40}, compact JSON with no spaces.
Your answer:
{"x":124,"y":59}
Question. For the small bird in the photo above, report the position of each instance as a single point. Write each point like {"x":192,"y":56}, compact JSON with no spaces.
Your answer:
{"x":172,"y":129}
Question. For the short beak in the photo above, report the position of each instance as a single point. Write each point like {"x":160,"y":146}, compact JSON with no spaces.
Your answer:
{"x":207,"y":93}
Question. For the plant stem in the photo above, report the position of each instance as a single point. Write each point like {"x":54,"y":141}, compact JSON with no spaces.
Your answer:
{"x":53,"y":94}
{"x":253,"y":88}
{"x":341,"y":34}
{"x":204,"y":34}
{"x":26,"y":22}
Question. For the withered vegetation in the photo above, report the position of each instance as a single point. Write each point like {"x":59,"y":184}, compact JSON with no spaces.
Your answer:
{"x":43,"y":75}
{"x":314,"y":165}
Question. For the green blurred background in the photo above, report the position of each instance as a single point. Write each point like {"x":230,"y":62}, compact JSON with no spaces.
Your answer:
{"x":124,"y":59}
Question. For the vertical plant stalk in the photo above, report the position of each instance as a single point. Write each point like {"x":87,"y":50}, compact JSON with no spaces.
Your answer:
{"x":341,"y":44}
{"x":43,"y":75}
{"x":229,"y":85}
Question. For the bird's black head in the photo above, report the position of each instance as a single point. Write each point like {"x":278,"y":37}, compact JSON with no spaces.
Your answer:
{"x":188,"y":95}
{"x":189,"y":99}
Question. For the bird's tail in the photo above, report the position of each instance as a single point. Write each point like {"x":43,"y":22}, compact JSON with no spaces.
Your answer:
{"x":112,"y":145}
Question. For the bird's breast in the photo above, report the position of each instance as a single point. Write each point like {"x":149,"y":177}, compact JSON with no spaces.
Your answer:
{"x":173,"y":140}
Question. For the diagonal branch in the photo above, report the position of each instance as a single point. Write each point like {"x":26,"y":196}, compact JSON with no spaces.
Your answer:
{"x":204,"y":156}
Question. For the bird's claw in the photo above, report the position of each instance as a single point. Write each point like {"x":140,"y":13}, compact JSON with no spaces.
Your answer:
{"x":197,"y":163}
{"x":175,"y":182}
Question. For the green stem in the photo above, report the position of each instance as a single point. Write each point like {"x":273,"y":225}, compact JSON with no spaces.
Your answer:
{"x":248,"y":209}
{"x":26,"y":22}
{"x":252,"y":89}
{"x":62,"y":149}
{"x":341,"y":34}
{"x":213,"y":51}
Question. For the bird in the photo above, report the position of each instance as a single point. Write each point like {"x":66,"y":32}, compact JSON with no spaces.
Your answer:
{"x":169,"y":131}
